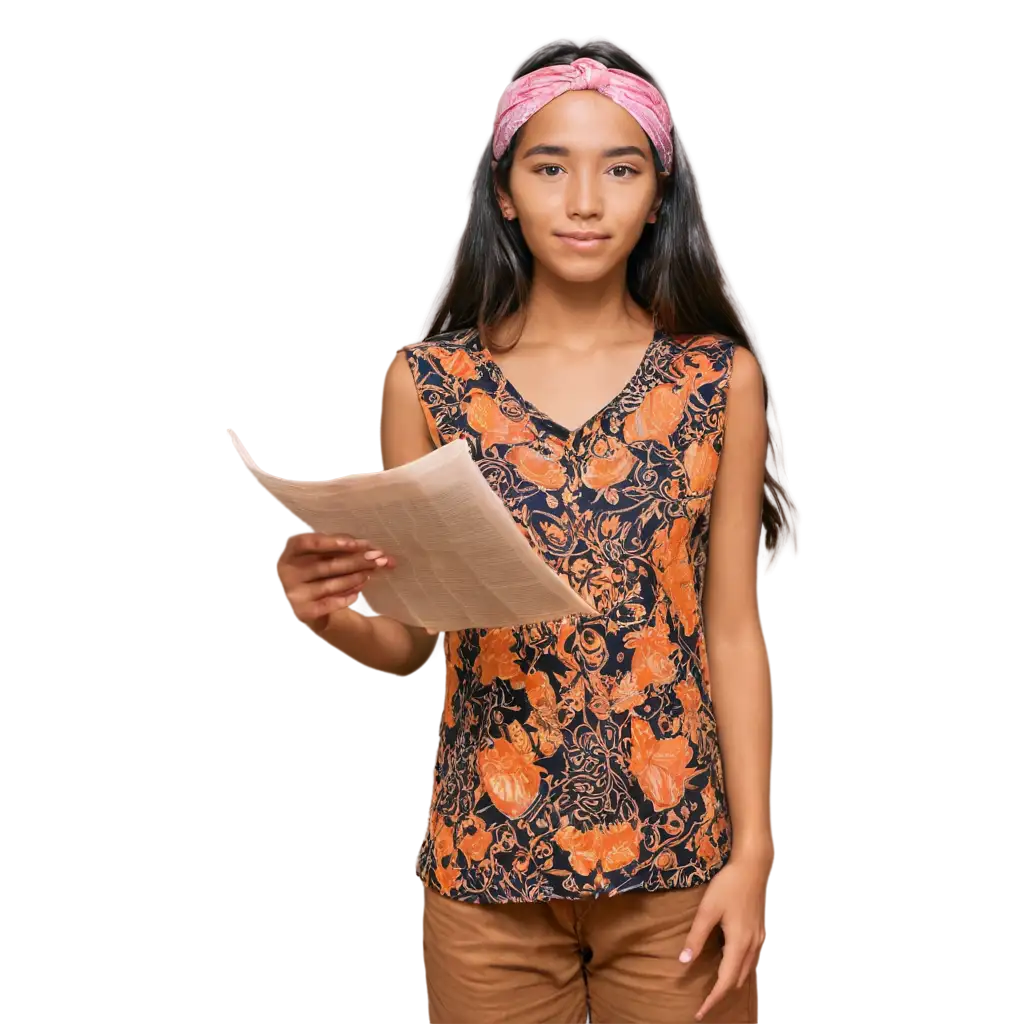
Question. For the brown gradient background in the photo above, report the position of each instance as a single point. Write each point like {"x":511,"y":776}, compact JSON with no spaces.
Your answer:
{"x":210,"y":216}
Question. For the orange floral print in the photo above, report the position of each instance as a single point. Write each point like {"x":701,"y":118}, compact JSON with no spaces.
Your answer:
{"x":652,"y":654}
{"x":612,"y":848}
{"x":584,"y":848}
{"x":625,"y":693}
{"x":670,"y":559}
{"x":544,"y":717}
{"x":451,"y":685}
{"x":554,"y":533}
{"x":663,"y":767}
{"x":610,"y":463}
{"x":536,"y":467}
{"x":699,"y":368}
{"x":689,"y":697}
{"x":666,"y":860}
{"x":700,"y":460}
{"x":599,"y":584}
{"x":443,"y":841}
{"x":476,"y":840}
{"x":657,"y":417}
{"x":509,"y":773}
{"x":708,"y":841}
{"x":496,"y":658}
{"x":484,"y":415}
{"x":447,"y":877}
{"x":621,"y":846}
{"x":611,"y":525}
{"x":581,"y":756}
{"x":458,"y":363}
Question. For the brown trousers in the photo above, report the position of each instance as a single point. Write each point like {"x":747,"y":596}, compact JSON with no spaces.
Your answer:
{"x":616,"y":957}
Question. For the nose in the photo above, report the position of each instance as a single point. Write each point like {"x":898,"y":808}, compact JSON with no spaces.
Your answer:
{"x":583,"y":195}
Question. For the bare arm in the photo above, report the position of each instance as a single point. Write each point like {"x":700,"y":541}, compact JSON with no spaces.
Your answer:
{"x":738,"y":659}
{"x":380,"y":641}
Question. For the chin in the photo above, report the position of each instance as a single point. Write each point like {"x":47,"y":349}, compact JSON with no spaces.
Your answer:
{"x":581,"y":268}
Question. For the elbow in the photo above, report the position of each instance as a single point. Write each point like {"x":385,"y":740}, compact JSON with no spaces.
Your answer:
{"x":742,"y":633}
{"x":739,"y":641}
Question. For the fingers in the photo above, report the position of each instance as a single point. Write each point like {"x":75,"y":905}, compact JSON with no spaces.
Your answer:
{"x":749,"y":962}
{"x":320,"y":611}
{"x":313,"y":556}
{"x":324,"y":565}
{"x":303,"y":548}
{"x":310,"y":543}
{"x":322,"y":572}
{"x":728,"y":975}
{"x":703,"y":921}
{"x":320,"y":589}
{"x":318,"y":615}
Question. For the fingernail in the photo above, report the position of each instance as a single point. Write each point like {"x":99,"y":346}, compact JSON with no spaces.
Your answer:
{"x":382,"y":561}
{"x":371,"y":555}
{"x":686,"y":956}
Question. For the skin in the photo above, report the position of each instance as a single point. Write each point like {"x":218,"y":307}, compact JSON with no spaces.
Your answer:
{"x":580,"y":320}
{"x":322,"y":577}
{"x":741,"y":692}
{"x":582,"y":324}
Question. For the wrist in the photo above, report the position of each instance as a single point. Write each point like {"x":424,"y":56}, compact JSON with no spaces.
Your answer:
{"x":319,"y":625}
{"x":759,"y":850}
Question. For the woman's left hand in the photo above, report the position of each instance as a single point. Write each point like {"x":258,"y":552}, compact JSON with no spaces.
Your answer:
{"x":735,"y":897}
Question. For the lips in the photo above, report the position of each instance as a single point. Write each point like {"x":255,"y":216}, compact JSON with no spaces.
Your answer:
{"x":583,"y":241}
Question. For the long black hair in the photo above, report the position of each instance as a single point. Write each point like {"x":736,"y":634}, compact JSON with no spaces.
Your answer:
{"x":672,"y":272}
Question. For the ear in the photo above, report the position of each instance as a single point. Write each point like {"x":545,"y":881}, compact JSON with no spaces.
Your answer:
{"x":505,"y":204}
{"x":653,"y":215}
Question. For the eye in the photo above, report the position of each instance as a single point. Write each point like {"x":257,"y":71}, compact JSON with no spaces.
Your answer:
{"x":625,"y":167}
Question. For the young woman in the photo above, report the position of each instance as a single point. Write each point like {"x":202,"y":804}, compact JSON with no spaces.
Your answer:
{"x":598,"y":838}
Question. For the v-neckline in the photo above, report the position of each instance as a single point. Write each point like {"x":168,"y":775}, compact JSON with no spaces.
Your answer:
{"x":565,"y":432}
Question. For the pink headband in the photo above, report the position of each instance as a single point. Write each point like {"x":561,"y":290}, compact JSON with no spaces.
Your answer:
{"x":525,"y":96}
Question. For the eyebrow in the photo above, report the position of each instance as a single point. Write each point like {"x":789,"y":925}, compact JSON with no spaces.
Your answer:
{"x":546,"y":150}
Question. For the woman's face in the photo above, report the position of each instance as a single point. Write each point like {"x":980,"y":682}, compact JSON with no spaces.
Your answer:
{"x":582,"y":163}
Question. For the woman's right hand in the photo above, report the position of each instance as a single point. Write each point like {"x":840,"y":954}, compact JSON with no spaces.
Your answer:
{"x":324,"y":572}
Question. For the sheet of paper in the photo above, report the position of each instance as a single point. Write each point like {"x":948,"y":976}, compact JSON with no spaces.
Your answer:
{"x":462,"y":561}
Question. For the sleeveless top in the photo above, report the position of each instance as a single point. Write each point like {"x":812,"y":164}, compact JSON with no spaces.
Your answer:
{"x":580,"y":757}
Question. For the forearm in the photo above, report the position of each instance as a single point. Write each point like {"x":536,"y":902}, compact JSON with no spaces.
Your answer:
{"x":741,"y":696}
{"x":377,"y":641}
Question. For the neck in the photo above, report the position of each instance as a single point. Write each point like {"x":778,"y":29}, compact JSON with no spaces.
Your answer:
{"x":578,"y":315}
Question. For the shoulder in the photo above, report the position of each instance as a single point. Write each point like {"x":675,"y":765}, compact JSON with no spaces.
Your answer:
{"x":405,"y":433}
{"x":746,"y":382}
{"x":703,"y":349}
{"x":738,"y":366}
{"x":437,"y":363}
{"x":446,"y":341}
{"x":710,"y":362}
{"x":743,"y":389}
{"x":401,"y":386}
{"x":419,"y":357}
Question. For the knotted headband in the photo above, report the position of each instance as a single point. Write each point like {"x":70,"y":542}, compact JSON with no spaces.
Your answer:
{"x":525,"y":96}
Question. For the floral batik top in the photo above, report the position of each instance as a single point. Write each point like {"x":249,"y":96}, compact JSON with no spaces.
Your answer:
{"x":580,"y":757}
